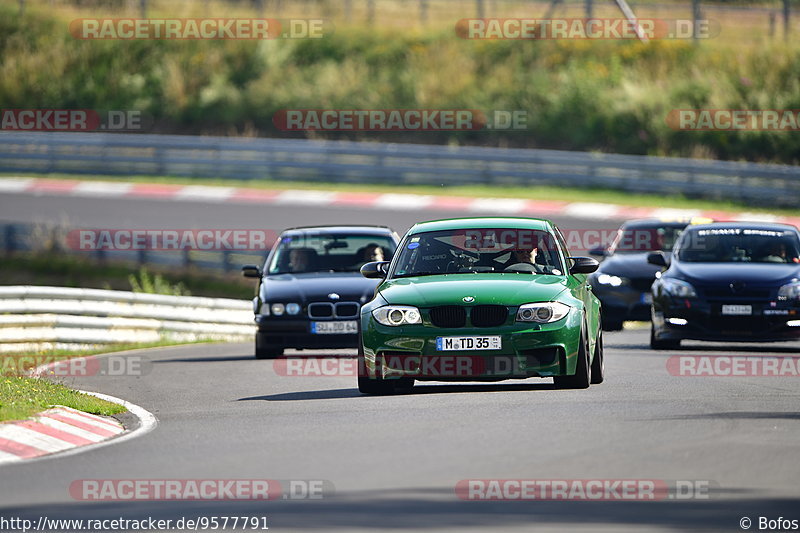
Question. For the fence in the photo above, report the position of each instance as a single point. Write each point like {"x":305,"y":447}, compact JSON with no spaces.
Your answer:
{"x":32,"y":318}
{"x":367,"y":162}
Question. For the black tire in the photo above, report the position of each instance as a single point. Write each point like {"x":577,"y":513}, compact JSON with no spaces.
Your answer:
{"x":662,"y":344}
{"x":266,"y":351}
{"x":581,"y":379}
{"x":598,"y":363}
{"x":611,"y":324}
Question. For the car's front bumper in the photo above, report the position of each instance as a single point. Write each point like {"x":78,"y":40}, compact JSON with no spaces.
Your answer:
{"x":527,"y":350}
{"x":623,"y":302}
{"x":705,"y":321}
{"x":296,"y":333}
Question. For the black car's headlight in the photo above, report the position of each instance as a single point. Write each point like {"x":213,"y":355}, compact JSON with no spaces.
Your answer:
{"x":397,"y":315}
{"x":542,"y":312}
{"x":608,"y":279}
{"x":790,"y":291}
{"x":279,"y":309}
{"x":678,"y":288}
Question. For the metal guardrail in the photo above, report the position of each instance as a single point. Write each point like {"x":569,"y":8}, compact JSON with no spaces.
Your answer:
{"x":368,"y":162}
{"x":31,"y":316}
{"x":22,"y":237}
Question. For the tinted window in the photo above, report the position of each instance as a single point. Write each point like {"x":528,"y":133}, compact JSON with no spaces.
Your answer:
{"x":329,"y":252}
{"x":736,"y":245}
{"x":646,"y":239}
{"x":480,"y":250}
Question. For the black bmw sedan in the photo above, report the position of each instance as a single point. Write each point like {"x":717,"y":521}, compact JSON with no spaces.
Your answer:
{"x":728,"y":282}
{"x":310,"y":288}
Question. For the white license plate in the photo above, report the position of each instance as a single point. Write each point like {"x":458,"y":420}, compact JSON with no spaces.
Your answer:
{"x":647,"y":298}
{"x":448,"y":344}
{"x":333,"y":328}
{"x":737,"y":310}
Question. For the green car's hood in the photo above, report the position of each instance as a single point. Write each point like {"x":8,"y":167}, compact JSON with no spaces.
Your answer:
{"x":449,"y":289}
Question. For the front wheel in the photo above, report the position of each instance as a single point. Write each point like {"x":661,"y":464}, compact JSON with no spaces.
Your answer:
{"x":598,"y":363}
{"x":581,"y":379}
{"x":264,"y":350}
{"x":662,"y":344}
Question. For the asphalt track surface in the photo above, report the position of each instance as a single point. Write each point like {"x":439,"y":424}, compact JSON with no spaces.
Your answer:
{"x":393,"y":462}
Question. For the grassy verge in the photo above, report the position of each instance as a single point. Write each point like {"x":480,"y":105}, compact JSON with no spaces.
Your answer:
{"x":22,"y":397}
{"x":69,"y":271}
{"x":564,"y":194}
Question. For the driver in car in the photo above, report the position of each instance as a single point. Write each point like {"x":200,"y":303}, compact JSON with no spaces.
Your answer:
{"x":523,"y":260}
{"x":299,"y":260}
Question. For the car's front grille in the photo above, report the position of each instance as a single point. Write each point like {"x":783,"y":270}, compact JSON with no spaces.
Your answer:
{"x":487,"y":316}
{"x":330,"y":310}
{"x":642,"y":284}
{"x":448,"y":316}
{"x":740,"y":324}
{"x":727,"y":292}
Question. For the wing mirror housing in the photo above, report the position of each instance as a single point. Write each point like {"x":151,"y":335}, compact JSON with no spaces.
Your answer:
{"x":251,"y":271}
{"x":658,"y":259}
{"x":375,"y":269}
{"x":583,"y":265}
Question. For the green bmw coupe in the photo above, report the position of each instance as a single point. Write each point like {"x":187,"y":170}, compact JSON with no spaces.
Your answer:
{"x":480,"y":299}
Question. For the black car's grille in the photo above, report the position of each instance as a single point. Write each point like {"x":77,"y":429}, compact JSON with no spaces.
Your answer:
{"x":448,"y":316}
{"x":320,"y":310}
{"x":346,"y":310}
{"x":330,"y":310}
{"x":727,"y":292}
{"x":642,"y":284}
{"x":487,"y":316}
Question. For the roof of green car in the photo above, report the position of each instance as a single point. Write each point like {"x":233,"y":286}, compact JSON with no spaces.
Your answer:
{"x":482,"y":222}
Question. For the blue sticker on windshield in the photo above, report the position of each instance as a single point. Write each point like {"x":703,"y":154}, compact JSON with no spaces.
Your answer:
{"x":413,"y":245}
{"x":286,"y":239}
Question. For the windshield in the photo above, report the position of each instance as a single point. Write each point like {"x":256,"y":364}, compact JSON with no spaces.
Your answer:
{"x":646,"y":239}
{"x":482,"y":250}
{"x":329,"y":252}
{"x":736,"y":245}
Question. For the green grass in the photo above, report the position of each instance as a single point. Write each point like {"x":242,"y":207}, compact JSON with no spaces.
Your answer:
{"x":563,"y":194}
{"x":610,"y":96}
{"x":70,"y":271}
{"x":22,"y":397}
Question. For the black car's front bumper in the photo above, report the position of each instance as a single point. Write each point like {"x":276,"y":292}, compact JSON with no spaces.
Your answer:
{"x":623,"y":302}
{"x":706,"y":321}
{"x":286,"y":332}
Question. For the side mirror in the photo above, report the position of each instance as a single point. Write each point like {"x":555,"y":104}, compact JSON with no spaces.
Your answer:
{"x":583,"y":265}
{"x":375,"y":269}
{"x":598,"y":251}
{"x":658,"y":259}
{"x":251,"y":271}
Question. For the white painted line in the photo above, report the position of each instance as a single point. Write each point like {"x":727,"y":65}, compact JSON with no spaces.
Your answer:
{"x":675,"y":213}
{"x":592,"y":210}
{"x":147,"y":423}
{"x":15,"y":184}
{"x":500,"y":205}
{"x":303,"y":197}
{"x":29,"y":437}
{"x":203,"y":192}
{"x":67,"y":428}
{"x":105,"y":426}
{"x":403,"y":201}
{"x":6,"y":457}
{"x":756,"y":217}
{"x":102,"y":188}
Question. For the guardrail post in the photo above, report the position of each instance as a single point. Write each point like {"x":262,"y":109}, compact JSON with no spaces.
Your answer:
{"x":11,"y":239}
{"x":226,"y":261}
{"x":187,"y":258}
{"x":141,"y":257}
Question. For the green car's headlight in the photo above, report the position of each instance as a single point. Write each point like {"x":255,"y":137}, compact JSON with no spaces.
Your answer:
{"x":397,"y":315}
{"x":542,"y":312}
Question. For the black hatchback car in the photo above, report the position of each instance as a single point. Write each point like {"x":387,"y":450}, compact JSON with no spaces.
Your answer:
{"x":728,"y":282}
{"x":310,"y":288}
{"x":623,"y":281}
